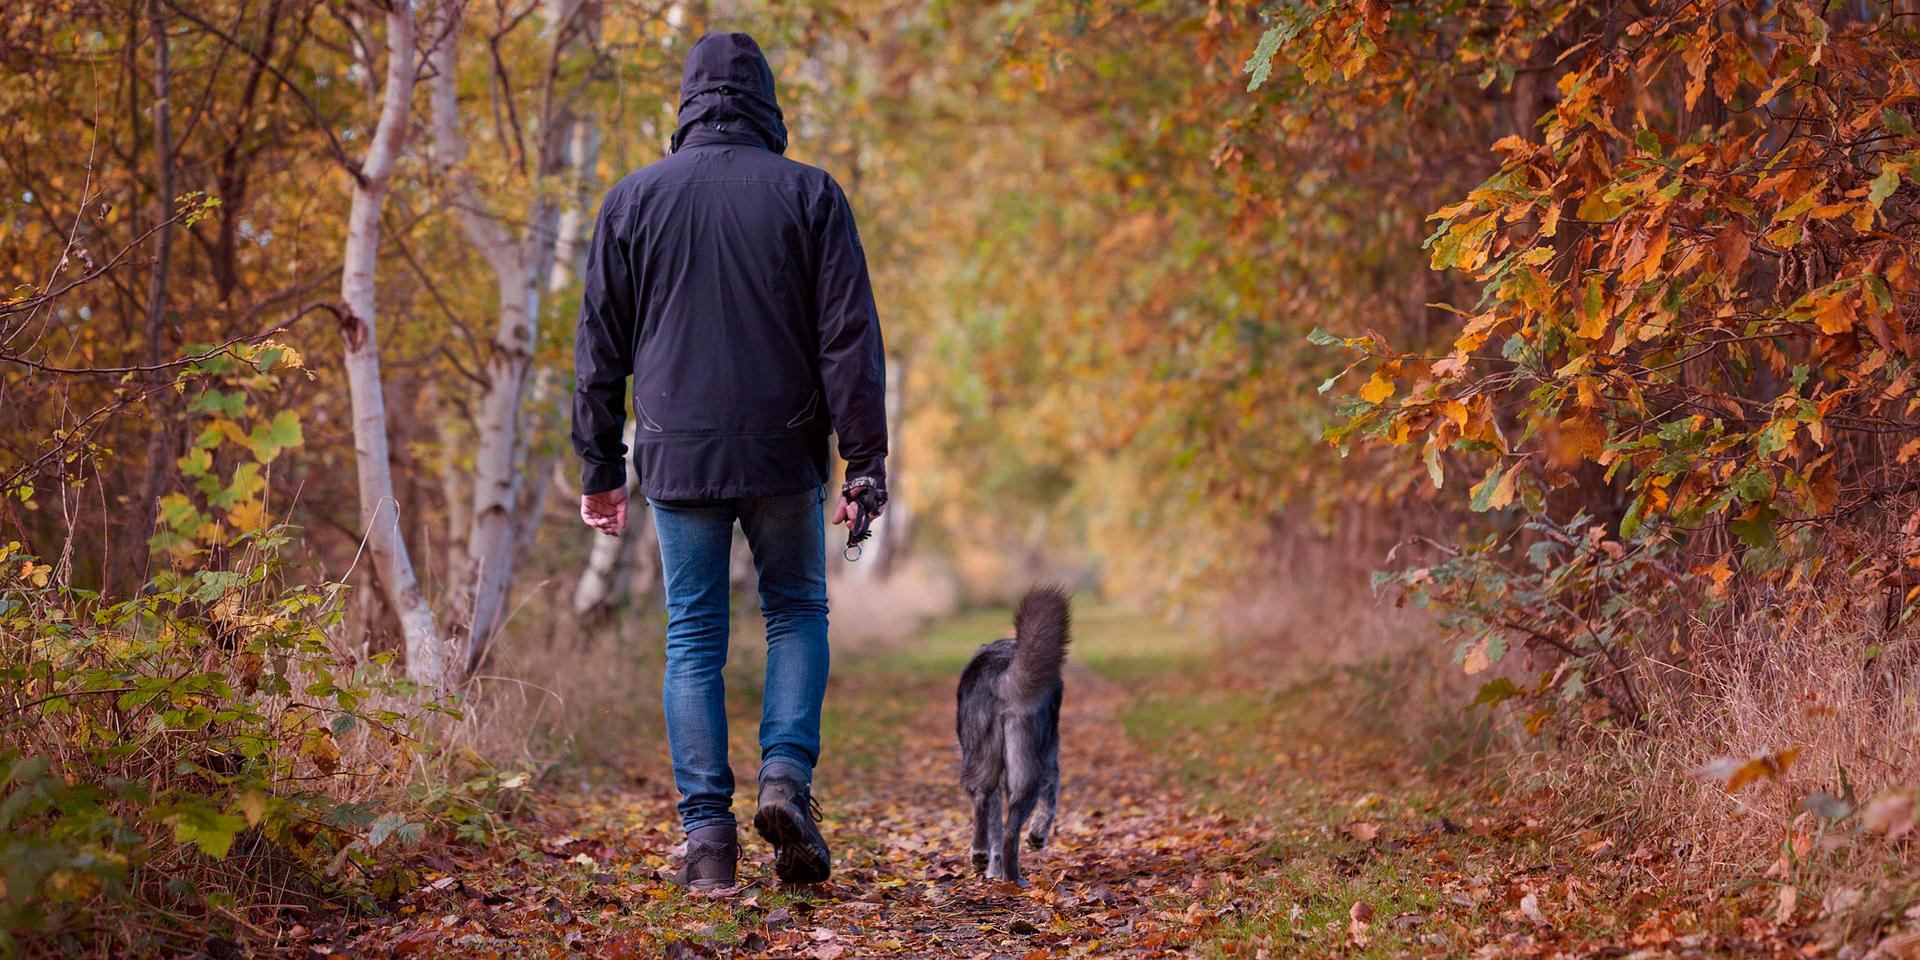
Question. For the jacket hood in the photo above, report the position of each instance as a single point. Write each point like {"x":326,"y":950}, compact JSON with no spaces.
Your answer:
{"x":727,"y":95}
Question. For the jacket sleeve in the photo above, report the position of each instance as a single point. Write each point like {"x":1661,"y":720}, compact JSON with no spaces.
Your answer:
{"x":603,"y":355}
{"x":852,"y":357}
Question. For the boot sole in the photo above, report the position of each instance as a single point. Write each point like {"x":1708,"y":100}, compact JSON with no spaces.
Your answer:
{"x":793,"y":861}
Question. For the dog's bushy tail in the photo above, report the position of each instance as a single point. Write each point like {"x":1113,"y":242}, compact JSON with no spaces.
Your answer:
{"x":1042,"y":628}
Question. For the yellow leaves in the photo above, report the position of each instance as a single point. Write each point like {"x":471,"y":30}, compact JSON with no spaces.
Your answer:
{"x":1644,"y":255}
{"x":1380,"y":386}
{"x":1584,"y":434}
{"x":1484,"y":653}
{"x":248,"y":515}
{"x":1593,"y":311}
{"x":1698,"y":56}
{"x":1773,"y":90}
{"x":1550,"y":223}
{"x":1735,"y":774}
{"x":321,"y":750}
{"x":253,"y":806}
{"x":1587,"y":393}
{"x":1597,"y":207}
{"x":1512,"y":144}
{"x":1465,"y":243}
{"x":234,"y":433}
{"x":1581,"y":436}
{"x":1718,"y":572}
{"x":36,"y":575}
{"x":1496,"y":490}
{"x":1834,"y":314}
{"x":1476,"y":333}
{"x":1828,"y":211}
{"x":283,"y":354}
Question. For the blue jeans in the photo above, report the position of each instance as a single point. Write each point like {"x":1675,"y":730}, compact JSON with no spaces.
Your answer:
{"x":788,"y":538}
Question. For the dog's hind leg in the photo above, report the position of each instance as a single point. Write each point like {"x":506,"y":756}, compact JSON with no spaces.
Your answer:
{"x":1042,"y":825}
{"x":1023,"y":791}
{"x":986,"y":826}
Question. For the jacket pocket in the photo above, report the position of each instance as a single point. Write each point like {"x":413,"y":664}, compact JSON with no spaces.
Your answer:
{"x":647,"y":422}
{"x":808,"y":412}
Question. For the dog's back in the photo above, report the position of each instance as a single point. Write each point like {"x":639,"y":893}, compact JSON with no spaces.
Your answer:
{"x":1008,"y":723}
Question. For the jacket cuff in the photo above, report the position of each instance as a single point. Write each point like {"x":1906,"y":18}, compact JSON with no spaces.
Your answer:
{"x":601,"y":477}
{"x":875,"y":468}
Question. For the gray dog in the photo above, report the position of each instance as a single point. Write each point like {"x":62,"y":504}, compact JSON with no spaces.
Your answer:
{"x":1009,"y":727}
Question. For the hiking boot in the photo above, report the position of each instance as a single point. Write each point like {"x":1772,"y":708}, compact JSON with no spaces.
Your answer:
{"x":786,"y":819}
{"x":713,"y":857}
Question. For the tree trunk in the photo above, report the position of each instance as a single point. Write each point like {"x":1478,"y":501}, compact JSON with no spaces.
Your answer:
{"x":520,"y":261}
{"x":160,"y":435}
{"x":379,"y":510}
{"x":893,"y":532}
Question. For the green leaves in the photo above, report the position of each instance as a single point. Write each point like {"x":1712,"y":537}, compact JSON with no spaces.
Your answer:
{"x":177,"y":727}
{"x":268,"y":439}
{"x":1495,"y":692}
{"x":1260,"y":66}
{"x":1290,"y":19}
{"x":395,"y":826}
{"x":203,"y":826}
{"x":1755,"y":529}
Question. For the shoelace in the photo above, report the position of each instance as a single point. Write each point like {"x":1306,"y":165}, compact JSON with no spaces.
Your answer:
{"x":803,"y":792}
{"x":813,"y":807}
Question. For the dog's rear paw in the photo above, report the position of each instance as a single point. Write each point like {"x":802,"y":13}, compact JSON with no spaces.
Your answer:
{"x":1036,"y":841}
{"x":979,"y":862}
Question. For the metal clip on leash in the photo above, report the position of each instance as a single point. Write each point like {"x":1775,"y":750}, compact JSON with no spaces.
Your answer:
{"x":867,"y":499}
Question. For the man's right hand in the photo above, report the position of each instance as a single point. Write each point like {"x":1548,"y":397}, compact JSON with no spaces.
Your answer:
{"x":845,"y":511}
{"x":605,"y":511}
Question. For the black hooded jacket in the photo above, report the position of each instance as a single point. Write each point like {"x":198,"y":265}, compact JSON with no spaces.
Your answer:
{"x":729,"y":282}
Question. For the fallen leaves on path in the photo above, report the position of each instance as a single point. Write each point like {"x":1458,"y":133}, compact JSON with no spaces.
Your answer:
{"x":1186,"y":839}
{"x":1125,"y":875}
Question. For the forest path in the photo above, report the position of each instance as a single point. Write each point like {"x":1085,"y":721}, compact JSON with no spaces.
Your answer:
{"x":1207,"y":810}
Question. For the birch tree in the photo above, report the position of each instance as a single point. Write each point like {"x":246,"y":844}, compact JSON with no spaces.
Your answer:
{"x":519,"y":249}
{"x":379,"y":510}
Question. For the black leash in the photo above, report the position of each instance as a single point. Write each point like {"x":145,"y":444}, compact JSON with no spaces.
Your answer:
{"x":867,"y":498}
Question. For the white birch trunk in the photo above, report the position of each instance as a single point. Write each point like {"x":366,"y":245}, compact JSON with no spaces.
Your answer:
{"x":379,"y":510}
{"x":451,"y":435}
{"x":520,"y":262}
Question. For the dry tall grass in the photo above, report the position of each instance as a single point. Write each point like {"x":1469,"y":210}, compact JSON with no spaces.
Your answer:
{"x":1813,"y":680}
{"x":1781,"y":754}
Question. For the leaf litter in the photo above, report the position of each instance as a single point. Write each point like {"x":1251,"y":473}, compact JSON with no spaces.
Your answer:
{"x":1269,"y":836}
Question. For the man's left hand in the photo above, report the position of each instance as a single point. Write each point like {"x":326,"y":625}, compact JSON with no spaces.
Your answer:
{"x":605,"y":511}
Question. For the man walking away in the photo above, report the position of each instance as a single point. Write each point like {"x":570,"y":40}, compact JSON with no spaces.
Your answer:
{"x":729,"y":283}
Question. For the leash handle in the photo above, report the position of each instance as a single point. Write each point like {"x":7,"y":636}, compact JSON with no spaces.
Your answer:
{"x":866,"y":498}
